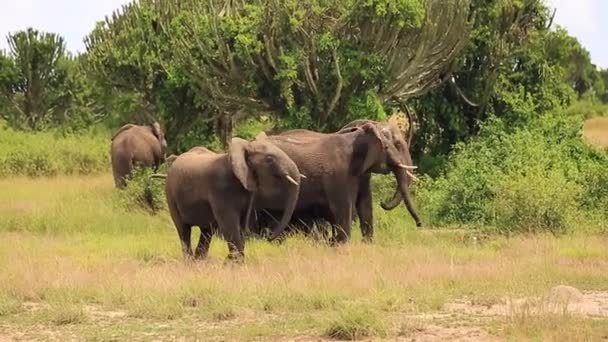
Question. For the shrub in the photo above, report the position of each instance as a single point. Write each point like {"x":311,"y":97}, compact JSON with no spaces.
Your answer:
{"x":536,"y":178}
{"x":49,"y":153}
{"x":353,"y":323}
{"x":143,"y":192}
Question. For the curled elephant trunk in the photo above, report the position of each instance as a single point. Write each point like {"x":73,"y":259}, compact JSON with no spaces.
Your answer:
{"x":393,"y":202}
{"x":397,"y":197}
{"x":402,"y":192}
{"x":293,"y":183}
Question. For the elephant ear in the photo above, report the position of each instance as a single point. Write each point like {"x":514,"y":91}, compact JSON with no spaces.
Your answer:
{"x":156,"y":130}
{"x":372,"y":129}
{"x":238,"y":159}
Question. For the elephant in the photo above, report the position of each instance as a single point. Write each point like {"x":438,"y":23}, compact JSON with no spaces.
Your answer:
{"x":304,"y":220}
{"x":337,"y":168}
{"x":217,"y":191}
{"x":133,"y":146}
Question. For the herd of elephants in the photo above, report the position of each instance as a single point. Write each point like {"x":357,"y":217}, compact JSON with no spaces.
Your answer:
{"x":293,"y":179}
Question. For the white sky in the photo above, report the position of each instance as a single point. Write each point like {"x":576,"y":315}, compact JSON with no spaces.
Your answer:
{"x":73,"y":19}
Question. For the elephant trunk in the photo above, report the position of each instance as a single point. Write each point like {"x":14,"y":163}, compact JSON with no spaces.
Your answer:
{"x":393,"y":202}
{"x":397,"y":197}
{"x":293,"y":183}
{"x":403,"y":187}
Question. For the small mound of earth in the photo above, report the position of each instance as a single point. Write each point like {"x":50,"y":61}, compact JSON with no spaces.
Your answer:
{"x":564,"y":294}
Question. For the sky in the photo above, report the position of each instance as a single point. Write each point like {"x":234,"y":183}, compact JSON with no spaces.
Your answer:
{"x":74,"y":19}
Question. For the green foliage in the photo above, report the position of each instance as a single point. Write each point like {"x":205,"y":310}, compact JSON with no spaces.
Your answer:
{"x":604,"y":78}
{"x":543,"y":177}
{"x":143,"y":192}
{"x":35,"y":88}
{"x":249,"y":128}
{"x":213,"y":64}
{"x":353,"y":323}
{"x":50,"y":153}
{"x":514,"y":68}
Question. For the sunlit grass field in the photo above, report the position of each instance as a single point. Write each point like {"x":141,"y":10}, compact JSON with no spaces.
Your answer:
{"x":596,"y":131}
{"x":75,"y":264}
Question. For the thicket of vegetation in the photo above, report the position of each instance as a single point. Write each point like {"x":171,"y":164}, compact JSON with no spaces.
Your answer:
{"x":51,"y":153}
{"x":492,"y":85}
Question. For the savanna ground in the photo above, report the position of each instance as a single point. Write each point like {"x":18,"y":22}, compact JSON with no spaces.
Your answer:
{"x":75,"y":264}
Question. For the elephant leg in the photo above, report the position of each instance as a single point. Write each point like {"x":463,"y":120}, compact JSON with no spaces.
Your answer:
{"x":185,"y":231}
{"x":365,"y":211}
{"x":230,"y":224}
{"x":343,"y":220}
{"x":202,"y":249}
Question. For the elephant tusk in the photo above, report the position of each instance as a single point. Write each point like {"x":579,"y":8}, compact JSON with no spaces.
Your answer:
{"x":302,"y":176}
{"x":291,"y":180}
{"x":407,"y":167}
{"x":412,"y":176}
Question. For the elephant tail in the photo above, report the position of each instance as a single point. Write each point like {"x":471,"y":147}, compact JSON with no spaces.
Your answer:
{"x":122,"y":166}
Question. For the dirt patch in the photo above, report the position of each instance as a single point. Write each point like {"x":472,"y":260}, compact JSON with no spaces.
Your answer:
{"x":560,"y":299}
{"x":465,"y":320}
{"x":595,"y":131}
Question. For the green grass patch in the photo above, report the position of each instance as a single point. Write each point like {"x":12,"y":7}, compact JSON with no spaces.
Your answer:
{"x":37,"y":154}
{"x":354,"y":323}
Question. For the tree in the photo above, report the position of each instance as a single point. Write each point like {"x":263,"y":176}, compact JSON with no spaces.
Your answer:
{"x":8,"y":78}
{"x":506,"y":71}
{"x":311,"y":63}
{"x":36,"y":89}
{"x":604,"y":78}
{"x":579,"y":72}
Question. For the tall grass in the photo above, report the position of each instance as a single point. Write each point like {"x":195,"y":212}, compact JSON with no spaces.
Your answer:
{"x":71,"y":248}
{"x":50,"y":153}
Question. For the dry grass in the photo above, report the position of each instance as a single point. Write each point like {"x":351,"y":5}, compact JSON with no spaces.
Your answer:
{"x":596,"y":131}
{"x":86,"y":265}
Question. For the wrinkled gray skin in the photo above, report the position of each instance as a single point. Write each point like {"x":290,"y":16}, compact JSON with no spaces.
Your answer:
{"x":213,"y":191}
{"x":134,"y":146}
{"x":305,"y":219}
{"x":337,"y":167}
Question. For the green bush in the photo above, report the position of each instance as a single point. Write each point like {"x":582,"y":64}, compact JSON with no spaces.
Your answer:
{"x":144,"y":192}
{"x":49,"y":154}
{"x":539,"y":178}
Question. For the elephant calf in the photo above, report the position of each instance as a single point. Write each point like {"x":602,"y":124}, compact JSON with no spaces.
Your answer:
{"x":212,"y":190}
{"x":134,"y":145}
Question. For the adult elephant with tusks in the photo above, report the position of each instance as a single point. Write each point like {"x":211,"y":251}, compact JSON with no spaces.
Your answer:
{"x":134,"y":145}
{"x":210,"y":190}
{"x":337,"y":168}
{"x":394,"y":157}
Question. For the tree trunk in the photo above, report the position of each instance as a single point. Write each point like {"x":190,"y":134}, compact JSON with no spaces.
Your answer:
{"x":225,"y":129}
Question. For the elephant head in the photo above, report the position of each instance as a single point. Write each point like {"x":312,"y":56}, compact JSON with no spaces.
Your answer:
{"x":160,"y":135}
{"x":268,"y":173}
{"x":397,"y":159}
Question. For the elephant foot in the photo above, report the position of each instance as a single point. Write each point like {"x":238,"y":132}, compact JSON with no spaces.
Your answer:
{"x":368,"y":239}
{"x":235,"y":258}
{"x":335,"y":242}
{"x":189,"y":259}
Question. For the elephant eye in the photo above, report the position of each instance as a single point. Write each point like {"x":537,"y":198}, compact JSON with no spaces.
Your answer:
{"x":268,"y":159}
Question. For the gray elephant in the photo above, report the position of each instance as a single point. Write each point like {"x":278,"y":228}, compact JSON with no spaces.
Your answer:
{"x":336,"y":167}
{"x":304,"y":219}
{"x":213,"y":191}
{"x":133,"y":146}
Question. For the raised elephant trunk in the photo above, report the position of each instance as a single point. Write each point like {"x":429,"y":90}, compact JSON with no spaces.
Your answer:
{"x":403,"y":181}
{"x":293,"y":180}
